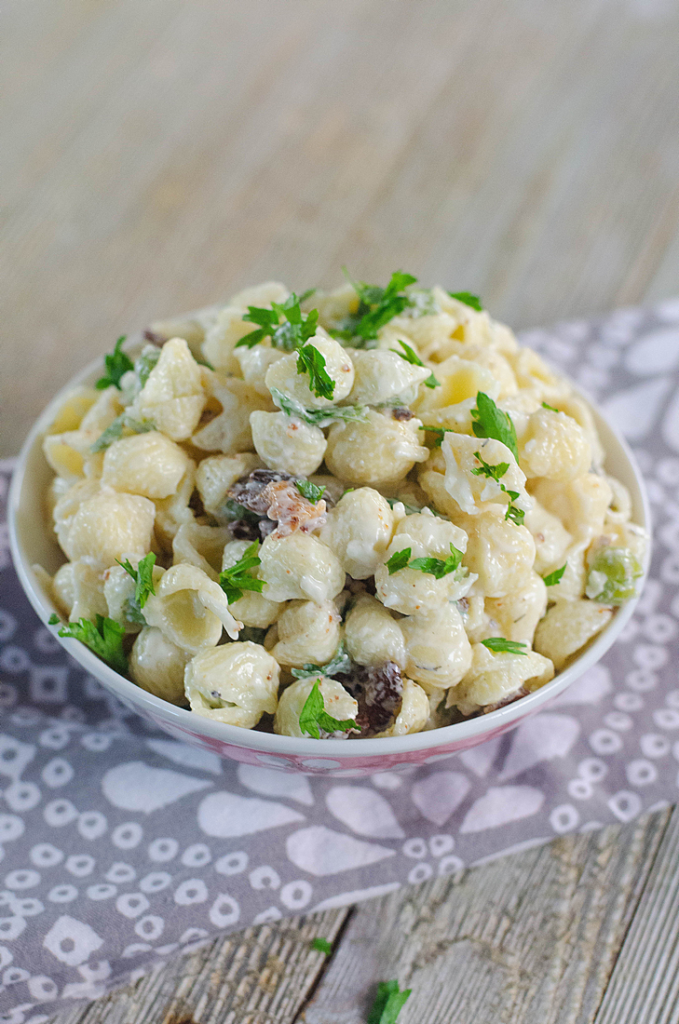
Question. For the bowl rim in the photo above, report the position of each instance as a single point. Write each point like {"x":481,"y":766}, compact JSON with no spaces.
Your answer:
{"x":271,"y":743}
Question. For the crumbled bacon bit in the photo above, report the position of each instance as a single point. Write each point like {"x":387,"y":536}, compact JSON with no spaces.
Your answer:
{"x":402,"y":412}
{"x":291,"y":510}
{"x":274,"y":496}
{"x":249,"y":492}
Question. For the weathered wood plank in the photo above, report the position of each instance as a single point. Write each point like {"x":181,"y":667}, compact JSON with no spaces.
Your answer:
{"x":644,"y":985}
{"x":530,"y":938}
{"x":525,"y":150}
{"x":260,"y":976}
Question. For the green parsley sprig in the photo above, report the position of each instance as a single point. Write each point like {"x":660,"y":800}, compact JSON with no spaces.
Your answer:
{"x":552,"y":578}
{"x":498,"y":645}
{"x":436,"y":567}
{"x":312,"y":492}
{"x":104,"y":637}
{"x":311,"y":361}
{"x":284,"y":322}
{"x":142,"y":576}
{"x":469,"y":300}
{"x":376,"y":308}
{"x":238,"y":578}
{"x":489,"y":421}
{"x":496,"y":473}
{"x":388,"y":1003}
{"x":411,"y":356}
{"x":313,"y":716}
{"x":117,"y":363}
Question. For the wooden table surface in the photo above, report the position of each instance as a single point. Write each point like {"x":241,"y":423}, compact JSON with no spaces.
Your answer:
{"x":158,"y":155}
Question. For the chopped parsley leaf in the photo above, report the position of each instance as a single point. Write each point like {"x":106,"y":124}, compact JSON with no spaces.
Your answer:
{"x":552,"y":578}
{"x":237,"y":578}
{"x":388,"y":1003}
{"x":438,"y":567}
{"x":498,"y":645}
{"x":321,"y":946}
{"x":112,"y":433}
{"x":312,"y":492}
{"x":115,"y":431}
{"x":496,"y":473}
{"x":104,"y":637}
{"x":438,"y":432}
{"x":377,"y":306}
{"x":313,"y":716}
{"x":489,"y":421}
{"x":54,"y":619}
{"x":283,"y":322}
{"x":411,"y":356}
{"x":339,"y":664}
{"x":550,"y":407}
{"x":493,"y":472}
{"x":117,"y":364}
{"x":142,"y":576}
{"x":311,"y":361}
{"x":399,"y":560}
{"x":469,"y":300}
{"x":145,"y":363}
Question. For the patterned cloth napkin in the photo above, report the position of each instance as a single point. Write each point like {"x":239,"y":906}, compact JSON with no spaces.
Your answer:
{"x":122,"y":847}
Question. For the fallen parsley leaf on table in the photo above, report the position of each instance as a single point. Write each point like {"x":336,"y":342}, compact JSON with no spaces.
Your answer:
{"x":498,"y":645}
{"x":142,"y":576}
{"x":552,"y":578}
{"x":388,"y":1003}
{"x":237,"y":578}
{"x":469,"y":300}
{"x":321,"y":946}
{"x":104,"y":637}
{"x":117,"y":363}
{"x":313,"y":716}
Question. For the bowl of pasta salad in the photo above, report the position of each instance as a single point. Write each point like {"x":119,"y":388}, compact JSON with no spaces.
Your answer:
{"x":335,"y":532}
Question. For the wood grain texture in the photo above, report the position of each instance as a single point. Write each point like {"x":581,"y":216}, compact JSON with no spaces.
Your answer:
{"x":157,"y":156}
{"x":529,"y":938}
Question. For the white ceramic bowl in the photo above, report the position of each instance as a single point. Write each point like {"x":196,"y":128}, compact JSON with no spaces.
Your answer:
{"x":32,"y":542}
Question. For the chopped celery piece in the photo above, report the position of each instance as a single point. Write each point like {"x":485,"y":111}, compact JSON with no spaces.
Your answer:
{"x":611,"y":576}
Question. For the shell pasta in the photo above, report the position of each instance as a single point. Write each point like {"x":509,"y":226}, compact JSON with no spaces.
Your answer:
{"x":362,"y":513}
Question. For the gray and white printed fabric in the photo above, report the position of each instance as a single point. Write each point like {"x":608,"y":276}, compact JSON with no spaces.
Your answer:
{"x":121,"y":847}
